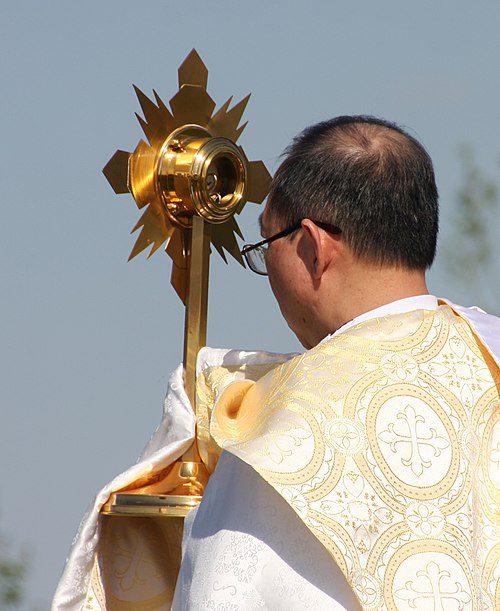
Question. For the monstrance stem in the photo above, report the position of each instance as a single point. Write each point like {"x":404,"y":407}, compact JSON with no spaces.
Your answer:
{"x":195,"y":329}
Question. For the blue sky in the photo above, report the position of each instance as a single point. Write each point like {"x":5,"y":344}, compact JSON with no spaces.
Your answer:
{"x":87,"y":339}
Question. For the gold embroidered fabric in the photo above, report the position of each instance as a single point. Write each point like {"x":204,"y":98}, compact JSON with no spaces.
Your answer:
{"x":210,"y":385}
{"x":136,"y":566}
{"x":385,"y":440}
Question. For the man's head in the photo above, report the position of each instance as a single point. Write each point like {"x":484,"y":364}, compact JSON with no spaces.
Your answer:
{"x":376,"y":184}
{"x":368,"y":177}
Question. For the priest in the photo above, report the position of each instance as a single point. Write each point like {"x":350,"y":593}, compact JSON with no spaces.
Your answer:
{"x":363,"y":473}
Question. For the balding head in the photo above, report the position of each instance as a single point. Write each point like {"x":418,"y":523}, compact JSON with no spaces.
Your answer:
{"x":368,"y":177}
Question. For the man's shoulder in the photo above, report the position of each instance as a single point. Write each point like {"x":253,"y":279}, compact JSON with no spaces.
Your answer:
{"x":470,"y":311}
{"x":344,"y":357}
{"x":371,"y":339}
{"x":486,"y":326}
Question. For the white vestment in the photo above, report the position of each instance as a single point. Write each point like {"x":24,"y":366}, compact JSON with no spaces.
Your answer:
{"x":244,"y":547}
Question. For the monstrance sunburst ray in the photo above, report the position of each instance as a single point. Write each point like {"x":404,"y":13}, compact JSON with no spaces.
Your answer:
{"x":189,"y":165}
{"x":189,"y":178}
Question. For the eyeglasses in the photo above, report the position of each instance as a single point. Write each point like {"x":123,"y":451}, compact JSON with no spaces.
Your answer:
{"x":255,"y":254}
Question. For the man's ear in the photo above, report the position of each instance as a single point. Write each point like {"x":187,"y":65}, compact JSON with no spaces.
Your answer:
{"x":318,"y":249}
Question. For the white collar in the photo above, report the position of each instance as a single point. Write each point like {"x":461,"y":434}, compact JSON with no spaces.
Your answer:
{"x":420,"y":302}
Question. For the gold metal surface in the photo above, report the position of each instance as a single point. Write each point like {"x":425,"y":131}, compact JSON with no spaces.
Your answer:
{"x":190,"y":178}
{"x":195,"y":331}
{"x":142,"y":505}
{"x":175,"y":493}
{"x":190,"y":165}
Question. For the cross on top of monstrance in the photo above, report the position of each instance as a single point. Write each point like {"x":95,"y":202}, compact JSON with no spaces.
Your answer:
{"x":190,"y":178}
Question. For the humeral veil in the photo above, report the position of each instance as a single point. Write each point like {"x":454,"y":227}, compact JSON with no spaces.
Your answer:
{"x":385,"y":441}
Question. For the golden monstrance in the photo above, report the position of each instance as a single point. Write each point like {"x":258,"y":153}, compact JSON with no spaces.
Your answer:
{"x":191,"y":178}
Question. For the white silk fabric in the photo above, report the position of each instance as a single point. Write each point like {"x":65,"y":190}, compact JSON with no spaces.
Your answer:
{"x":170,"y":440}
{"x":244,"y":548}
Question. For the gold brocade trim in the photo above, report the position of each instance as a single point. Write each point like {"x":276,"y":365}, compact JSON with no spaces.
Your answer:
{"x":385,"y":441}
{"x":491,"y":565}
{"x":391,"y":534}
{"x":328,"y":526}
{"x":96,"y":599}
{"x":492,"y":509}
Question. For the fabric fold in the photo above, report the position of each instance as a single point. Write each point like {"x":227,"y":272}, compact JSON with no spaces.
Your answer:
{"x":171,"y":439}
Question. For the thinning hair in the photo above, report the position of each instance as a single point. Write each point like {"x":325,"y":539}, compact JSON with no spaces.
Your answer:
{"x":370,"y":178}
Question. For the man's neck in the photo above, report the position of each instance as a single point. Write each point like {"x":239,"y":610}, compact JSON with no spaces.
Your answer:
{"x":368,"y":288}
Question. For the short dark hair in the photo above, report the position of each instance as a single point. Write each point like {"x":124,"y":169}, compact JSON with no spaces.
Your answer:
{"x":370,"y":178}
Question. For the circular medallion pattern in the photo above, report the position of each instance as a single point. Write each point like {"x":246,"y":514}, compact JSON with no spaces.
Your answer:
{"x":434,"y":579}
{"x":413,"y":441}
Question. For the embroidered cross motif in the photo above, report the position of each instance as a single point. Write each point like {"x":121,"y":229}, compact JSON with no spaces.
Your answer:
{"x":413,"y":439}
{"x":132,"y":566}
{"x":433,"y":586}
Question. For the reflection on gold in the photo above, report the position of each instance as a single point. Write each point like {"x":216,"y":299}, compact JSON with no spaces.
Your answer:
{"x":191,"y":165}
{"x":190,"y":178}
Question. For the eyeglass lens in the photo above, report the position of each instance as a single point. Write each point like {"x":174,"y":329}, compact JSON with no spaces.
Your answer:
{"x":257,"y":259}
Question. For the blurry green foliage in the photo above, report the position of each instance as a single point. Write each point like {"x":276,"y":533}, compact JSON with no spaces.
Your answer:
{"x":472,"y":239}
{"x":476,"y":202}
{"x":12,"y":577}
